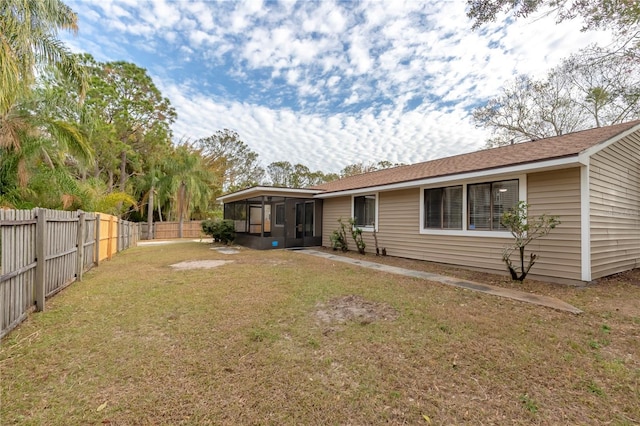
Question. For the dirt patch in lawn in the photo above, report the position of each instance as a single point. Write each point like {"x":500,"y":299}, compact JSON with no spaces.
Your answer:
{"x":199,"y":264}
{"x":354,"y":308}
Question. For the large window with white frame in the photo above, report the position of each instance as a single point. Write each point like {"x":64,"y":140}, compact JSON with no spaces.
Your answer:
{"x":468,"y":207}
{"x":364,"y":211}
{"x":443,"y":208}
{"x":488,"y":201}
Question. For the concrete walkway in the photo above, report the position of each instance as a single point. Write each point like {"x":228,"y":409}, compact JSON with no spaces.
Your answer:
{"x":550,"y":302}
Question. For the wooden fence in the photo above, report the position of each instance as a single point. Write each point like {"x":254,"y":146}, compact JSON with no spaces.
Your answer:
{"x":168,"y":230}
{"x":43,"y":251}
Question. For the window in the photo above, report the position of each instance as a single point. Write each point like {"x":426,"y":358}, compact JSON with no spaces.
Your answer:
{"x":279,"y":215}
{"x":443,"y":208}
{"x":309,"y":210}
{"x":488,"y":201}
{"x":364,"y":210}
{"x":238,"y":213}
{"x":455,"y":210}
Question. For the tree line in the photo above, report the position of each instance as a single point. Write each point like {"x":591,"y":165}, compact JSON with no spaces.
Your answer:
{"x":76,"y":133}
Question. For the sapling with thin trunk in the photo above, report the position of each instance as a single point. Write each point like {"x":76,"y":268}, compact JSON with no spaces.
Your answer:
{"x":524,"y":230}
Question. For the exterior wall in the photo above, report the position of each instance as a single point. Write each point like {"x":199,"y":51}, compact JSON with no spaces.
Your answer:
{"x":334,"y":209}
{"x":557,"y":193}
{"x":399,"y":233}
{"x":614,"y":188}
{"x":272,"y":236}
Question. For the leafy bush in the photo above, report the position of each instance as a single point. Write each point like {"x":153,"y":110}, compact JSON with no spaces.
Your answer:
{"x":222,"y":231}
{"x":339,"y":238}
{"x":356,"y":233}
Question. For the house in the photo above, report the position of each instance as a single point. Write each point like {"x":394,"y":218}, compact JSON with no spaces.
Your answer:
{"x":448,"y":210}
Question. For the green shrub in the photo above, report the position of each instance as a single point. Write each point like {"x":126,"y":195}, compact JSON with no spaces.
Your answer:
{"x":339,"y":237}
{"x":356,"y":233}
{"x":222,"y":231}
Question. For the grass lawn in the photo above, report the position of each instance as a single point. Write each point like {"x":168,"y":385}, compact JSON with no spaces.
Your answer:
{"x":267,"y":339}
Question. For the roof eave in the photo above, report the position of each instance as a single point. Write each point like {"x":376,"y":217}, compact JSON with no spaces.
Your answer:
{"x":594,"y":149}
{"x":556,"y":163}
{"x":266,"y":190}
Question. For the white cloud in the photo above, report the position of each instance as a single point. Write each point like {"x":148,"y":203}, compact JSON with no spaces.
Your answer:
{"x":326,"y":142}
{"x":359,"y":55}
{"x":327,"y":59}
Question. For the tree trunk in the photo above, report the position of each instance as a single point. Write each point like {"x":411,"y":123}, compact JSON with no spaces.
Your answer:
{"x":181,"y":209}
{"x":123,"y":176}
{"x":150,"y":214}
{"x":123,"y":170}
{"x":110,"y":182}
{"x":522,"y":265}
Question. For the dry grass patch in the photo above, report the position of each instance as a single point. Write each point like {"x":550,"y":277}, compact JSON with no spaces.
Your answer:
{"x":140,"y":343}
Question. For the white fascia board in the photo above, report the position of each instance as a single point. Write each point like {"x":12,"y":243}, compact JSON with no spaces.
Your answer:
{"x":557,"y":163}
{"x":266,"y":190}
{"x":602,"y":145}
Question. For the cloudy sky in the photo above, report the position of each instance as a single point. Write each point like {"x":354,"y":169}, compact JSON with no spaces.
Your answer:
{"x":325,"y":83}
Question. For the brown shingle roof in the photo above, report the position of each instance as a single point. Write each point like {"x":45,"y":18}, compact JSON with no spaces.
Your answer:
{"x":510,"y":155}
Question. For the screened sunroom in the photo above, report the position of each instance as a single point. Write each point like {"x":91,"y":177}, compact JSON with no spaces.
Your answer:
{"x":270,"y":218}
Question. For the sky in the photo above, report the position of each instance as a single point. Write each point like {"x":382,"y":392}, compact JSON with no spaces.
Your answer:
{"x":326,"y":83}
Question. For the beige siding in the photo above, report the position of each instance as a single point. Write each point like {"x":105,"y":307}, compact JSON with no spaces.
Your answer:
{"x":557,"y":193}
{"x":399,"y":233}
{"x":334,"y":209}
{"x":615,"y":207}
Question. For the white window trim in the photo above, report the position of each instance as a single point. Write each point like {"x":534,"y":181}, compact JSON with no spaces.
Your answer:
{"x":367,"y":228}
{"x":464,"y":232}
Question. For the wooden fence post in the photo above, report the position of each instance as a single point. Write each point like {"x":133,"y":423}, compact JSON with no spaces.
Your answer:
{"x":41,"y":260}
{"x":110,"y":238}
{"x":80,"y":245}
{"x":97,"y":247}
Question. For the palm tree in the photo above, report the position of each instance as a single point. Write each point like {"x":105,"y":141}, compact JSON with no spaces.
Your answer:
{"x":28,"y":30}
{"x":146,"y":186}
{"x":97,"y":197}
{"x":48,"y":145}
{"x":35,"y":142}
{"x":187,"y":183}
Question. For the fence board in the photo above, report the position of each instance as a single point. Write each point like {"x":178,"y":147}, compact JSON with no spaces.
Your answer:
{"x":108,"y":236}
{"x":17,"y":235}
{"x":168,"y":230}
{"x":61,"y":251}
{"x":44,"y":246}
{"x":89,"y":240}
